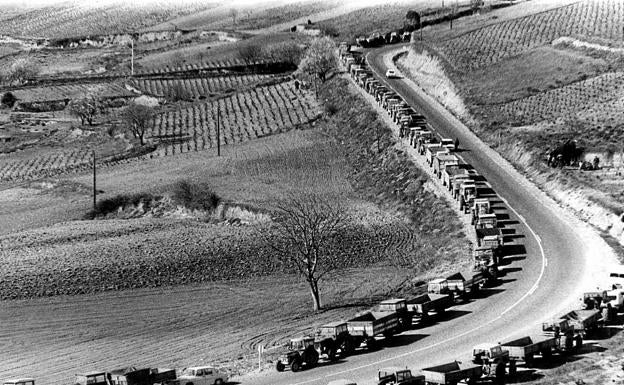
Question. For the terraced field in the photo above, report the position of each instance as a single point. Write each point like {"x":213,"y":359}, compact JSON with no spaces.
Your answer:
{"x":598,"y":98}
{"x":71,"y":91}
{"x":488,"y":45}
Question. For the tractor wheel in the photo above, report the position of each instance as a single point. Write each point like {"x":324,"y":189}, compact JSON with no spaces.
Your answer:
{"x":331,"y":354}
{"x":311,"y":357}
{"x":279,"y":366}
{"x":578,"y":342}
{"x":295,"y":366}
{"x":218,"y":381}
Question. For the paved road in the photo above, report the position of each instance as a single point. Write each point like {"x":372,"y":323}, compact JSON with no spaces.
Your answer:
{"x":544,"y":269}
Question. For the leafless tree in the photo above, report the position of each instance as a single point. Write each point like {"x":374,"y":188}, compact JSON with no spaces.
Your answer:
{"x":319,"y":59}
{"x":86,"y":108}
{"x":137,"y":118}
{"x":20,"y":70}
{"x":233,"y":15}
{"x":250,"y":53}
{"x":305,"y":227}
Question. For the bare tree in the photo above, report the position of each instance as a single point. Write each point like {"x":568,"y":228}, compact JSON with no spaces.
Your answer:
{"x":319,"y":59}
{"x":86,"y":108}
{"x":288,"y":52}
{"x":177,"y":93}
{"x":233,"y":15}
{"x":250,"y":53}
{"x":306,"y":227}
{"x":20,"y":70}
{"x":137,"y":118}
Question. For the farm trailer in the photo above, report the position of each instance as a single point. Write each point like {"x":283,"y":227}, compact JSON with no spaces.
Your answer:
{"x":366,"y":327}
{"x":453,"y":372}
{"x":457,"y":286}
{"x":421,"y":307}
{"x":526,"y":348}
{"x":432,"y":150}
{"x":441,"y":161}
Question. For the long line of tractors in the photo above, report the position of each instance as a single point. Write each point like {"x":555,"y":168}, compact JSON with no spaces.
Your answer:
{"x":372,"y":329}
{"x":369,"y":330}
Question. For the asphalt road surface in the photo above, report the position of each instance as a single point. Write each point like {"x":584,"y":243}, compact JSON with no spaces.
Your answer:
{"x":544,"y":264}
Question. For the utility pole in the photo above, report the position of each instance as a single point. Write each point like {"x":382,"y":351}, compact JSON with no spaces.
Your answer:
{"x":94,"y":177}
{"x":132,"y":58}
{"x":218,"y":130}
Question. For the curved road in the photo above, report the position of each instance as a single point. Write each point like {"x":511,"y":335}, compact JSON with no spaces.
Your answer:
{"x":546,"y":267}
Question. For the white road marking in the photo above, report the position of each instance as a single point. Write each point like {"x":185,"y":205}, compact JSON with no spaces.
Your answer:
{"x":531,"y":291}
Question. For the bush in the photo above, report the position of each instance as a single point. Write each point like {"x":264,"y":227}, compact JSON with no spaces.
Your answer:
{"x":8,"y":99}
{"x":110,"y":205}
{"x":195,"y":196}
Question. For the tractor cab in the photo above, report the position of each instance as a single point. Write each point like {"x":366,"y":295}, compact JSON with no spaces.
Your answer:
{"x":488,"y":353}
{"x":486,"y":221}
{"x":93,"y":378}
{"x":438,"y":286}
{"x":396,"y":375}
{"x":467,"y":195}
{"x":332,"y":330}
{"x":300,"y":343}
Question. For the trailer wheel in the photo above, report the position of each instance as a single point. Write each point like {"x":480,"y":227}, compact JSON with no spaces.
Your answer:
{"x":528,"y":360}
{"x":218,"y":381}
{"x":578,"y":342}
{"x":371,"y":344}
{"x":546,"y":353}
{"x":279,"y":366}
{"x":512,"y":368}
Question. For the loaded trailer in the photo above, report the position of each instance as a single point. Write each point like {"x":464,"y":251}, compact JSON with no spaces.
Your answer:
{"x":364,"y":328}
{"x":422,"y":308}
{"x":526,"y":348}
{"x":452,"y":373}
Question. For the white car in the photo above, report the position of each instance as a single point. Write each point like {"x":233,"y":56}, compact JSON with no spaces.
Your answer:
{"x":391,"y":74}
{"x":202,"y":375}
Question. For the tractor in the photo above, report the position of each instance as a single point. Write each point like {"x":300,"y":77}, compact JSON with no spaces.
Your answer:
{"x":332,"y":337}
{"x":301,"y":352}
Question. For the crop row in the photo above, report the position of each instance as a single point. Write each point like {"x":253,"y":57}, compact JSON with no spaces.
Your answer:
{"x":491,"y":44}
{"x":573,"y":100}
{"x":70,"y":91}
{"x":90,"y":19}
{"x":170,"y":254}
{"x":243,"y":116}
{"x":200,"y":87}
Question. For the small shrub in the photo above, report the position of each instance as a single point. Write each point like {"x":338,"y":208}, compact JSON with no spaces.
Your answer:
{"x":330,"y":108}
{"x":8,"y":99}
{"x":195,"y":196}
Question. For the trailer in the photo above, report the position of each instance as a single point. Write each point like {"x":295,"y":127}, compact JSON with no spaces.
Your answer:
{"x":423,"y":305}
{"x":432,"y":150}
{"x":455,"y":285}
{"x":457,"y":181}
{"x":526,"y":348}
{"x":365,"y":327}
{"x":441,"y":161}
{"x":584,"y":321}
{"x":453,"y":372}
{"x":568,"y":340}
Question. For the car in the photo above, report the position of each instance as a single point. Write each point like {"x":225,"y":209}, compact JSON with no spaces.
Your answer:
{"x":202,"y":375}
{"x":391,"y":74}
